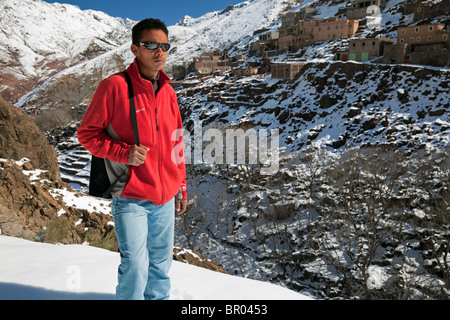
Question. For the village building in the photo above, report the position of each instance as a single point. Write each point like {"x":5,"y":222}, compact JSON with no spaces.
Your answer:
{"x":427,"y":10}
{"x":332,"y":28}
{"x":212,"y":62}
{"x":366,"y":49}
{"x":359,"y":9}
{"x":423,"y":44}
{"x":245,"y":72}
{"x":289,"y":30}
{"x":423,"y":34}
{"x":308,"y":31}
{"x":286,"y":71}
{"x":267,"y":41}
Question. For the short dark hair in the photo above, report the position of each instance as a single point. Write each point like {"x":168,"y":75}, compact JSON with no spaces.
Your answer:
{"x":145,"y":25}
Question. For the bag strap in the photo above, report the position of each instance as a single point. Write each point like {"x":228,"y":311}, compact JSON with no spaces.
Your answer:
{"x":132,"y":108}
{"x":107,"y":193}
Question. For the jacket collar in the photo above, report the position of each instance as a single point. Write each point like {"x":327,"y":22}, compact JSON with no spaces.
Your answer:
{"x":133,"y":71}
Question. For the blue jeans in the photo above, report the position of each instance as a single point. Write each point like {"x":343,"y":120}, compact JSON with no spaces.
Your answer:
{"x":145,"y":234}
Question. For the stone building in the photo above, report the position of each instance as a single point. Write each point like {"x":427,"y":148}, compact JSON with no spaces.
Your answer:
{"x":212,"y":62}
{"x":367,"y":49}
{"x":245,"y":72}
{"x":267,"y":41}
{"x":286,"y":71}
{"x":423,"y":34}
{"x":332,"y":28}
{"x":427,"y":10}
{"x":312,"y":30}
{"x":359,"y":9}
{"x":423,"y":44}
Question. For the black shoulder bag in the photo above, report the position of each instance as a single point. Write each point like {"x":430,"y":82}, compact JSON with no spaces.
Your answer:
{"x":99,"y":184}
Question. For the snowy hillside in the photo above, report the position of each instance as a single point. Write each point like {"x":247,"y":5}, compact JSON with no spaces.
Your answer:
{"x":39,"y":39}
{"x":40,"y":81}
{"x":223,"y":29}
{"x":329,"y":104}
{"x":38,"y":271}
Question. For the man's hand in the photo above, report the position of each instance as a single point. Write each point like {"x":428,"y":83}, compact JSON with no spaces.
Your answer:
{"x":137,"y":155}
{"x":180,"y":206}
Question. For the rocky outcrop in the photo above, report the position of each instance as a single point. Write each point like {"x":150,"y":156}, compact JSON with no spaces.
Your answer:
{"x":28,"y":210}
{"x":21,"y":138}
{"x":197,"y":259}
{"x":29,"y":172}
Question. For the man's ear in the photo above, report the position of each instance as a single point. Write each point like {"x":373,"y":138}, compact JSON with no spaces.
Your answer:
{"x":135,"y":49}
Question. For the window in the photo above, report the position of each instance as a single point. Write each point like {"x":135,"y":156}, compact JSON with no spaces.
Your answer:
{"x":418,"y":39}
{"x":411,"y":40}
{"x":416,"y":29}
{"x":430,"y":38}
{"x":444,"y":37}
{"x":430,"y":28}
{"x":402,"y":32}
{"x":402,"y":41}
{"x":373,"y":43}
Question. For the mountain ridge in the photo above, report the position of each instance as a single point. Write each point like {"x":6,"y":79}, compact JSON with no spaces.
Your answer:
{"x":36,"y":46}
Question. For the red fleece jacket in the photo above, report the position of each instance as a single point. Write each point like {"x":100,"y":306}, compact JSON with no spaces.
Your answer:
{"x":162,"y":175}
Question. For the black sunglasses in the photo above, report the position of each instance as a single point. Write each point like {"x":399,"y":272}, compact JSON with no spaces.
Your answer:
{"x":150,"y":45}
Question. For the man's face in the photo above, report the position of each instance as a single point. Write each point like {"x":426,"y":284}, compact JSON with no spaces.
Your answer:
{"x":151,"y":61}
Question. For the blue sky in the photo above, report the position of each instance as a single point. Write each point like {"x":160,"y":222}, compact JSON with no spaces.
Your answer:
{"x":170,"y":11}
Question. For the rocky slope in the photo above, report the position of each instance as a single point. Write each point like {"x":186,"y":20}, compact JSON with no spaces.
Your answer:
{"x":29,"y":174}
{"x":358,"y":205}
{"x":21,"y":138}
{"x":333,"y":105}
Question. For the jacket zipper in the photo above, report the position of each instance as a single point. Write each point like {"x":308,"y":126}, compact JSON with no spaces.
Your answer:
{"x":159,"y":151}
{"x":157,"y":122}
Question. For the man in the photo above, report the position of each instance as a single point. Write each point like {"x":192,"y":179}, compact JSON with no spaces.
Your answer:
{"x":145,"y":199}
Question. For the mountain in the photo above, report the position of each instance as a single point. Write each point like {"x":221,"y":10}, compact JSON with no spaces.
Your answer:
{"x":52,"y":67}
{"x":39,"y":39}
{"x":224,"y":29}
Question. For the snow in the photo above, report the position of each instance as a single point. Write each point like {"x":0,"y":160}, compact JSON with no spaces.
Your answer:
{"x":82,"y":201}
{"x":220,"y":29}
{"x":39,"y":32}
{"x":40,"y":271}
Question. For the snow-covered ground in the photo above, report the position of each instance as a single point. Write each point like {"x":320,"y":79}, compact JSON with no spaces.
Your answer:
{"x":39,"y":271}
